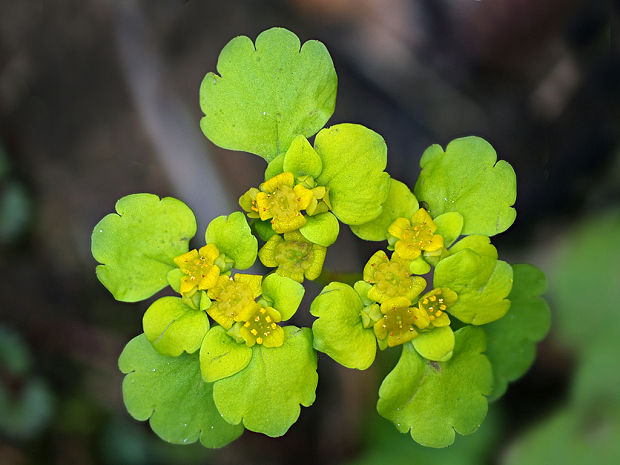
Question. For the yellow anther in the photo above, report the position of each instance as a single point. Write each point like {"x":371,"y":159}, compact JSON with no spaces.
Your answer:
{"x":259,"y":340}
{"x":425,"y":301}
{"x":432,"y":298}
{"x":431,"y":317}
{"x":254,"y":332}
{"x":439,"y":313}
{"x":247,"y":323}
{"x":262,"y":311}
{"x":442,"y":307}
{"x":267,"y":318}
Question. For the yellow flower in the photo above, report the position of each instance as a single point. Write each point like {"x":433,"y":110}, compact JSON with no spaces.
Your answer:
{"x":282,"y":201}
{"x":415,"y":235}
{"x":231,"y":296}
{"x":294,"y":256}
{"x":397,"y":324}
{"x":434,"y":305}
{"x":391,"y":278}
{"x":199,"y":268}
{"x":259,"y":326}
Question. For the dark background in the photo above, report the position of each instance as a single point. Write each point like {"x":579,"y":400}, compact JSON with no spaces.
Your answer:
{"x":99,"y":99}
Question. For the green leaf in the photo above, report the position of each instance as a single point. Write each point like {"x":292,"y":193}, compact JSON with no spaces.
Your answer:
{"x":400,"y":203}
{"x":585,"y":281}
{"x":274,"y":167}
{"x":221,"y":356}
{"x":137,"y":246}
{"x":419,"y":266}
{"x":339,"y":331}
{"x":511,"y":340}
{"x":436,"y":345}
{"x":479,"y":244}
{"x":263,"y":229}
{"x":432,"y":400}
{"x":301,"y":159}
{"x":482,"y":284}
{"x":567,"y":439}
{"x":354,"y":158}
{"x":284,"y":293}
{"x":467,"y":179}
{"x":170,"y":392}
{"x":268,"y":94}
{"x":174,"y":279}
{"x":321,"y":229}
{"x":449,"y":225}
{"x":173,"y":327}
{"x":266,"y":394}
{"x":232,"y":236}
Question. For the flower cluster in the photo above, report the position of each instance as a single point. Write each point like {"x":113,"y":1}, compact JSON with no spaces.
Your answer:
{"x":436,"y":291}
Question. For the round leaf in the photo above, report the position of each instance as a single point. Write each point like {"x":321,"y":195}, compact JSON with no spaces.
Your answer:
{"x":482,"y":284}
{"x":171,"y":394}
{"x":479,"y":244}
{"x":284,"y":293}
{"x":266,"y":394}
{"x":354,"y":158}
{"x":321,"y":229}
{"x":173,"y":327}
{"x":466,"y":179}
{"x":436,"y":345}
{"x":221,"y":356}
{"x":432,"y":400}
{"x":268,"y":94}
{"x":339,"y":331}
{"x":137,"y":245}
{"x":400,"y":203}
{"x":232,"y":235}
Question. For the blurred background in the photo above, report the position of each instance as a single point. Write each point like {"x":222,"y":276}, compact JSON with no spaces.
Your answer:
{"x":99,"y":99}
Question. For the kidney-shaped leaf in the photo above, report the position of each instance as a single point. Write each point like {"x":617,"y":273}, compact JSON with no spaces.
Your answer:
{"x":432,"y":400}
{"x":171,"y":394}
{"x":232,"y":235}
{"x":136,"y":246}
{"x":466,"y":179}
{"x":267,"y":94}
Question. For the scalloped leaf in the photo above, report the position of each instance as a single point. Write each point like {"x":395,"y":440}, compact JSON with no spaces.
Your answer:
{"x":268,"y":94}
{"x":354,"y":158}
{"x":321,"y":229}
{"x":232,"y":235}
{"x":221,"y":356}
{"x":171,"y":394}
{"x":137,"y":245}
{"x":479,"y":244}
{"x":266,"y":395}
{"x":511,"y":340}
{"x":432,"y":400}
{"x":173,"y":327}
{"x":466,"y":179}
{"x":284,"y":293}
{"x":400,"y":203}
{"x":338,"y":331}
{"x":482,"y":284}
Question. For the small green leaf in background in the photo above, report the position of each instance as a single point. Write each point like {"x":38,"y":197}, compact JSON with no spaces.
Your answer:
{"x":432,"y":400}
{"x":284,"y":293}
{"x":301,"y":159}
{"x":585,"y":289}
{"x":171,"y":394}
{"x":232,"y":236}
{"x":566,"y":439}
{"x":173,"y":327}
{"x":266,"y":395}
{"x":482,"y":284}
{"x":321,"y":229}
{"x":400,"y":203}
{"x":511,"y":340}
{"x":338,"y":331}
{"x":466,"y":179}
{"x":354,"y":158}
{"x":137,"y":245}
{"x":268,"y":94}
{"x":221,"y":356}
